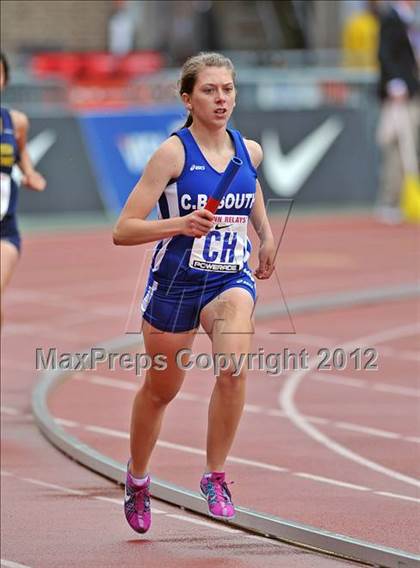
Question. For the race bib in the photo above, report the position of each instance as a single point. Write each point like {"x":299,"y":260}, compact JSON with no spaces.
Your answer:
{"x":224,"y":248}
{"x":5,"y":193}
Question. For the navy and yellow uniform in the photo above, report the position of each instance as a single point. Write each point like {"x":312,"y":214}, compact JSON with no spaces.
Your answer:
{"x":187,"y":272}
{"x":9,"y":156}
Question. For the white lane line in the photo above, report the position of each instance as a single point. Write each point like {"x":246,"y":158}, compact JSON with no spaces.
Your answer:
{"x":335,"y":380}
{"x":332,"y":481}
{"x":253,"y":408}
{"x":65,"y":422}
{"x":287,"y":402}
{"x":330,"y":379}
{"x":275,"y":412}
{"x":256,"y":409}
{"x":67,"y":490}
{"x":362,"y":383}
{"x":233,"y":459}
{"x":105,"y":381}
{"x":260,"y":465}
{"x":45,"y":332}
{"x":397,"y":496}
{"x":4,"y":473}
{"x":120,"y":502}
{"x":202,"y":523}
{"x":367,"y":430}
{"x":191,"y":397}
{"x":413,"y":355}
{"x":109,"y":500}
{"x":404,"y":354}
{"x":11,"y":564}
{"x":106,"y":431}
{"x":67,"y":293}
{"x":183,"y":448}
{"x":10,"y":411}
{"x":133,"y":386}
{"x":394,"y":389}
{"x":318,"y":420}
{"x":17,"y":365}
{"x":158,"y":511}
{"x":53,"y":486}
{"x":306,"y":339}
{"x":185,"y":518}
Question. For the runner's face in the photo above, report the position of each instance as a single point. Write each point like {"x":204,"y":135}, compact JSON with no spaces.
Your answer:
{"x":213,"y":96}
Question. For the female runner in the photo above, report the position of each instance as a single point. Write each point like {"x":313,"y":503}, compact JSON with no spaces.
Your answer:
{"x":14,"y":127}
{"x":199,"y":273}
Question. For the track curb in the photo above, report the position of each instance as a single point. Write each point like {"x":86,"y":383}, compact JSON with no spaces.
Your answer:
{"x":259,"y":523}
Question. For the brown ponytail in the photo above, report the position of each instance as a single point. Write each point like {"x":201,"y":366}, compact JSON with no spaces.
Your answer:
{"x":189,"y":121}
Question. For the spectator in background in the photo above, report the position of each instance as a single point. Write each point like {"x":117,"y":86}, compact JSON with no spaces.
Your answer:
{"x":399,"y":91}
{"x":206,"y":25}
{"x":121,"y":29}
{"x":360,"y":36}
{"x":182,"y":37}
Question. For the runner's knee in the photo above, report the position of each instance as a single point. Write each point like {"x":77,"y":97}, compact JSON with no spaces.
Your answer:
{"x":232,"y":379}
{"x":160,"y":396}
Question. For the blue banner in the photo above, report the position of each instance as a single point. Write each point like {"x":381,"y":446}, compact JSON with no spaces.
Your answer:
{"x":120,"y":144}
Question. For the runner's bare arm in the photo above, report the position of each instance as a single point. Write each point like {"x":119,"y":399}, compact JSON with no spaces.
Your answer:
{"x":132,"y":227}
{"x":255,"y":152}
{"x":258,"y":215}
{"x":259,"y":219}
{"x":31,"y":178}
{"x":261,"y":224}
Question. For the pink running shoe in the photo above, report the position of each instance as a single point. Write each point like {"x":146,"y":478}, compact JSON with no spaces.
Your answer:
{"x":214,"y":489}
{"x":137,"y":504}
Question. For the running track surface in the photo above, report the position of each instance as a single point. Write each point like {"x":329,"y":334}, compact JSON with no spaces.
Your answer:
{"x":359,"y":477}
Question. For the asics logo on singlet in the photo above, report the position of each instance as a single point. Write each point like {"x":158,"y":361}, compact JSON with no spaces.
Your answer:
{"x":197,"y":167}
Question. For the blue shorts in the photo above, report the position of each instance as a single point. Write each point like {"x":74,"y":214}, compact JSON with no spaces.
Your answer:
{"x":9,"y":231}
{"x":176,"y":306}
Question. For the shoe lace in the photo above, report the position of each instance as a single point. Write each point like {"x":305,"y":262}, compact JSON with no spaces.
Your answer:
{"x":218,"y":491}
{"x":139,"y":501}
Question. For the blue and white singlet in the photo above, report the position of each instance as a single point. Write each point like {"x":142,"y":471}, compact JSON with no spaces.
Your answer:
{"x":226,"y":248}
{"x":186,"y":272}
{"x":9,"y":155}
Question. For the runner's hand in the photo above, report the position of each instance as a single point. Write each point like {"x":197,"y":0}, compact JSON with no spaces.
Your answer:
{"x":34,"y":180}
{"x":266,"y":260}
{"x":198,"y":223}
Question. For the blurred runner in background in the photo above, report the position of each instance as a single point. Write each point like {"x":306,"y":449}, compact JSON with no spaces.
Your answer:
{"x":14,"y":126}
